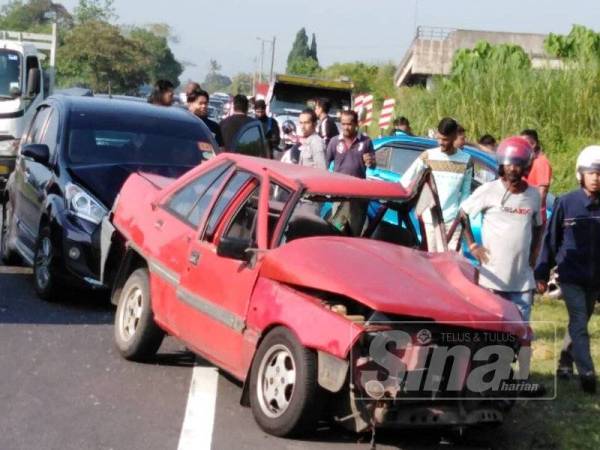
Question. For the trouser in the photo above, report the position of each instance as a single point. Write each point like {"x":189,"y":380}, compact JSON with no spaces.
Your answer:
{"x":580,"y":306}
{"x":433,"y":241}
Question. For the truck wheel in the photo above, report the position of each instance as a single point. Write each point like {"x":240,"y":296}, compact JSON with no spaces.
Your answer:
{"x":7,"y":255}
{"x":136,"y":334}
{"x":283,"y":385}
{"x":44,"y":266}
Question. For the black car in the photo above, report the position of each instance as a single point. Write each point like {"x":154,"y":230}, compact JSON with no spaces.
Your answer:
{"x":72,"y":162}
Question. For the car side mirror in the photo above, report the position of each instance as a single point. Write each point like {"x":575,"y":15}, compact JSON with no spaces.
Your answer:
{"x":234,"y":248}
{"x":40,"y":153}
{"x":33,"y":82}
{"x":15,"y":92}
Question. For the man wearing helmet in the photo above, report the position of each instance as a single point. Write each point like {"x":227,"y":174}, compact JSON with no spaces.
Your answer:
{"x":573,"y":245}
{"x":512,"y":226}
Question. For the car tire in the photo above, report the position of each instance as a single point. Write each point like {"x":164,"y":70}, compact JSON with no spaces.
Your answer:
{"x":136,"y":334}
{"x":44,"y":266}
{"x":7,"y":255}
{"x":283,"y":385}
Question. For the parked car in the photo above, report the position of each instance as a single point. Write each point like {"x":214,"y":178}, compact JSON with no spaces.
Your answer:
{"x":73,"y":160}
{"x":274,"y":273}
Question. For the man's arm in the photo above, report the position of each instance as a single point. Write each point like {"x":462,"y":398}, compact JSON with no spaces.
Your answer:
{"x":317,"y":148}
{"x":414,"y":171}
{"x":369,"y":156}
{"x":275,"y":134}
{"x":330,"y":152}
{"x":550,"y":247}
{"x":536,"y":244}
{"x":465,"y":190}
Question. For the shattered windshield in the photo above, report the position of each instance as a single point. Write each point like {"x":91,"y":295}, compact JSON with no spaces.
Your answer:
{"x":10,"y":72}
{"x":379,"y":219}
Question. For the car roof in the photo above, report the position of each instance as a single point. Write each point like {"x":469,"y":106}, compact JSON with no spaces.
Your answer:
{"x":481,"y":155}
{"x":91,"y":105}
{"x":319,"y":181}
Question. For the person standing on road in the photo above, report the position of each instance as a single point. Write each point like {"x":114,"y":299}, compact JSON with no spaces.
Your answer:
{"x":352,"y":152}
{"x":540,"y":175}
{"x":452,"y":171}
{"x":269,"y":125}
{"x":232,"y":124}
{"x":401,"y":127}
{"x":326,"y":127}
{"x":162,"y":94}
{"x":312,"y":147}
{"x":197,"y":101}
{"x":512,"y":228}
{"x":573,"y":244}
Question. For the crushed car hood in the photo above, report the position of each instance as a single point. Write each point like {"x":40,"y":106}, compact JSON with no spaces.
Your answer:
{"x":394,"y":280}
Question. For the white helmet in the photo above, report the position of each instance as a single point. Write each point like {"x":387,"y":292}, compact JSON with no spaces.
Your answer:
{"x":588,"y":159}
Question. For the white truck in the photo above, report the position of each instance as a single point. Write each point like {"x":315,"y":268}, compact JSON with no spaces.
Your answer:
{"x":24,"y":84}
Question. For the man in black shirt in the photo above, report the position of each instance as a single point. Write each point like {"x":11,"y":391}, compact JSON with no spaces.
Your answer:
{"x":232,"y":124}
{"x":197,"y":100}
{"x":326,"y":127}
{"x":269,"y":125}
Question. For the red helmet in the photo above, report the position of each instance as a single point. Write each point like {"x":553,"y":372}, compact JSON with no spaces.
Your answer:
{"x":515,"y":150}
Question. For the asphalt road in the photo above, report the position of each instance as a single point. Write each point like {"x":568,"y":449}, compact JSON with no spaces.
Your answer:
{"x":63,"y":386}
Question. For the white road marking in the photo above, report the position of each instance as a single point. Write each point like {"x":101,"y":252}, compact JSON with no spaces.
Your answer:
{"x":197,"y":428}
{"x":12,"y":270}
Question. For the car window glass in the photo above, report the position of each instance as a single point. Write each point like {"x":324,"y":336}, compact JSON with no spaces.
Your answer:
{"x":402,"y":158}
{"x":250,"y":142}
{"x":278,"y":197}
{"x":51,"y":132}
{"x":482,"y":174}
{"x":37,"y":126}
{"x":186,"y":202}
{"x":233,"y":187}
{"x":243,"y":225}
{"x":382,"y":158}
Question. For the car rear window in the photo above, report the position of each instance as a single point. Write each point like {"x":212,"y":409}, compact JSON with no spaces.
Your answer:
{"x":100,"y":138}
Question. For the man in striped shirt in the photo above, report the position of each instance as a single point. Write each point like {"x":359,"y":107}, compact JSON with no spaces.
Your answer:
{"x":452,"y":170}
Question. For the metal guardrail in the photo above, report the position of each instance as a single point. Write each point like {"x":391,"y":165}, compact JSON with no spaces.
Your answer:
{"x":434,"y":33}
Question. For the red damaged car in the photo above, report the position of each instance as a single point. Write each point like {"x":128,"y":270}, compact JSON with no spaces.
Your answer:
{"x":288,"y":278}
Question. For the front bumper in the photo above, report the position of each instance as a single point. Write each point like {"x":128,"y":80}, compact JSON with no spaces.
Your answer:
{"x":80,"y":251}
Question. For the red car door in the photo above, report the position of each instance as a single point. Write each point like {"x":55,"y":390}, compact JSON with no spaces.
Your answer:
{"x":217,"y":289}
{"x":173,"y":226}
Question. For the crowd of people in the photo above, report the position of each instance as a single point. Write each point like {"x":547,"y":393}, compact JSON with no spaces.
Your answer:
{"x":518,"y":249}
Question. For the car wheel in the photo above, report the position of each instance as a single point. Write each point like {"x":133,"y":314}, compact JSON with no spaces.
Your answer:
{"x":44,"y":266}
{"x":136,"y":334}
{"x":283,"y":385}
{"x":7,"y":255}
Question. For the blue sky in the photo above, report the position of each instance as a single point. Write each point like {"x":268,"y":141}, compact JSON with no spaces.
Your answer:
{"x":346,"y":30}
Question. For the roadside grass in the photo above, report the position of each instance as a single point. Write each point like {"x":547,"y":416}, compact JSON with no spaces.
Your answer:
{"x":572,"y":419}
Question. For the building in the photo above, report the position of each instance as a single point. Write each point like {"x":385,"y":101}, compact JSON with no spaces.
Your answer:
{"x":432,"y":51}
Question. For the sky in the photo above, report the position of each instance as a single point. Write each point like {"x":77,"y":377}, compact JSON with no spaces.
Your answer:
{"x":346,"y":30}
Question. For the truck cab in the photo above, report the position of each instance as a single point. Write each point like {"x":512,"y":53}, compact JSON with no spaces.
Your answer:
{"x":23,"y":87}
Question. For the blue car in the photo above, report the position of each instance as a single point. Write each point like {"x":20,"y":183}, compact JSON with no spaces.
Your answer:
{"x":395,"y":154}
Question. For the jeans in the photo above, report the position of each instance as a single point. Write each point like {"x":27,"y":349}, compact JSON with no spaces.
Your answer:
{"x":580,"y":306}
{"x":523,"y":301}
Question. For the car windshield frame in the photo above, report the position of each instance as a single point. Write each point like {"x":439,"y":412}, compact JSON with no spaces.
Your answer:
{"x":99,"y":125}
{"x":6,"y":54}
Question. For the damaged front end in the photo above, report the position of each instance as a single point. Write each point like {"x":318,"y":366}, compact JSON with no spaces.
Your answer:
{"x":414,"y":374}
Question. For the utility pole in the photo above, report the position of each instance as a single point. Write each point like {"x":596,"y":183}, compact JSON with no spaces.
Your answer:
{"x":262,"y":60}
{"x":272,"y":60}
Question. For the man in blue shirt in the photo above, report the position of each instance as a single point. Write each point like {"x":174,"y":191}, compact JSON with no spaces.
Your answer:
{"x":573,"y":244}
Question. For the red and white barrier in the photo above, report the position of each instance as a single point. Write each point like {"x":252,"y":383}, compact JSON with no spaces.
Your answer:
{"x":387,"y":112}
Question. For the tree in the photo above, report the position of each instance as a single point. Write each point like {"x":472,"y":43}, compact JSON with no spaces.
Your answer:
{"x":485,"y":55}
{"x":161,"y":61}
{"x":33,"y":16}
{"x":95,"y":10}
{"x":302,"y":60}
{"x":96,"y":55}
{"x":214,"y":80}
{"x":241,"y":84}
{"x":313,"y":48}
{"x":581,"y":43}
{"x":362,"y":75}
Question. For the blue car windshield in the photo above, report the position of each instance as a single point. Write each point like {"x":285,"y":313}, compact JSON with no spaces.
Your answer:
{"x":102,"y":138}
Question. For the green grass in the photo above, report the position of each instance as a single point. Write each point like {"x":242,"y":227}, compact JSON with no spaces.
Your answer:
{"x":563,"y":105}
{"x":572,"y":420}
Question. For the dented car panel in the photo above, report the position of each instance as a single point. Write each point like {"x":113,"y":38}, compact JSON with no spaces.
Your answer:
{"x":329,"y":291}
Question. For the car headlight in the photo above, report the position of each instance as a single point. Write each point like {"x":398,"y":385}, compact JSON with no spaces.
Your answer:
{"x":9,"y":147}
{"x":83,"y":205}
